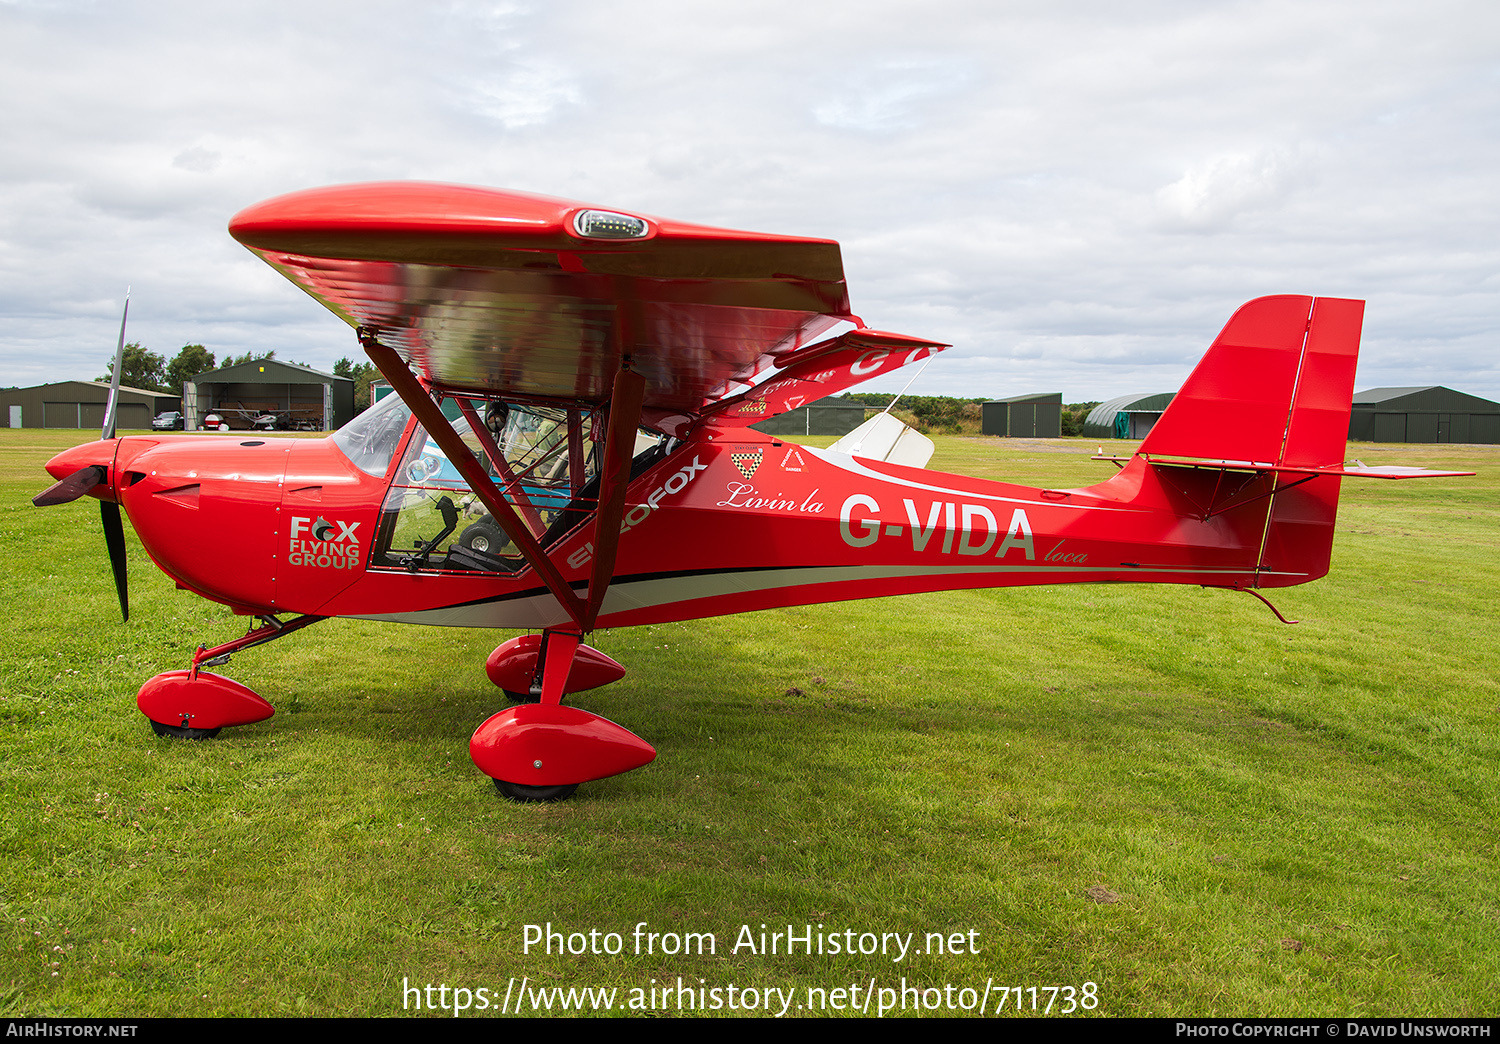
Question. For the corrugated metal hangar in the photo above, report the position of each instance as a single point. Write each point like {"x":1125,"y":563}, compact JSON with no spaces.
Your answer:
{"x":297,"y":396}
{"x":1126,"y":417}
{"x":80,"y":404}
{"x":830,"y":416}
{"x":1032,"y":416}
{"x":1432,"y":414}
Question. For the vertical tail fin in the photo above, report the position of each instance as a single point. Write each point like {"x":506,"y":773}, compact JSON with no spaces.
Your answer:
{"x":1275,"y":389}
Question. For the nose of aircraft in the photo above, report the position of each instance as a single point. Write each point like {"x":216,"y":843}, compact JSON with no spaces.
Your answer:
{"x":82,"y":469}
{"x":90,"y":453}
{"x":86,"y":469}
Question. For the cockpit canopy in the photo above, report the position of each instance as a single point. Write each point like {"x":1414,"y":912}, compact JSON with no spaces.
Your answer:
{"x":546,"y":469}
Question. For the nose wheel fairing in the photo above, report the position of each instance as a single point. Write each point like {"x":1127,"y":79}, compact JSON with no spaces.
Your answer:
{"x":199,"y":702}
{"x":196,"y":704}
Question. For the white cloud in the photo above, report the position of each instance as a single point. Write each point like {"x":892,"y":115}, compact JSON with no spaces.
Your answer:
{"x":198,"y":159}
{"x":891,"y":96}
{"x":1212,"y":192}
{"x":525,"y":95}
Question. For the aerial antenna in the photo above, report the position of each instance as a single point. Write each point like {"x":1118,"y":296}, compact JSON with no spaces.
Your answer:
{"x":864,"y":434}
{"x":910,"y":383}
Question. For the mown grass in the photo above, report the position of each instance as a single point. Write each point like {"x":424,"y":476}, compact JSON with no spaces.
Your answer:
{"x":1162,"y":791}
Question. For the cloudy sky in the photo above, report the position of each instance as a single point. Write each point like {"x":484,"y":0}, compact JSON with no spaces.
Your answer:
{"x":1077,"y":195}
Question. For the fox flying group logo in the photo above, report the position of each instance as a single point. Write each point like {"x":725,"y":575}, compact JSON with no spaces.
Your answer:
{"x":323,"y":544}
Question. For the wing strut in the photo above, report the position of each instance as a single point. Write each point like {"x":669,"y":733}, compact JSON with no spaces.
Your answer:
{"x":431,"y":417}
{"x":624,"y":419}
{"x":502,"y":466}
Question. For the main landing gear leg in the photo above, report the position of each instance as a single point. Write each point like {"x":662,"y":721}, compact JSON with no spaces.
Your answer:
{"x":194,"y":704}
{"x":541,"y":751}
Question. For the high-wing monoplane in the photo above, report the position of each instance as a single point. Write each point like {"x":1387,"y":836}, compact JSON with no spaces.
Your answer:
{"x":570,"y":448}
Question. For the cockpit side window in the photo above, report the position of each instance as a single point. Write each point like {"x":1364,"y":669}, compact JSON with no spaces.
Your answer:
{"x":433,"y":520}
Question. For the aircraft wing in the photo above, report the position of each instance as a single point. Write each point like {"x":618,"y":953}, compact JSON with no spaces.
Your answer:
{"x":503,"y":293}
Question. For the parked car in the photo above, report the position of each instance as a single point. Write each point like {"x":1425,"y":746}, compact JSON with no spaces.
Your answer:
{"x":172,"y":421}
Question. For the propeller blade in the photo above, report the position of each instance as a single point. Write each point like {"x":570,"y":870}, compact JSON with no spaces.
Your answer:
{"x":114,"y":539}
{"x":114,"y":378}
{"x":72,"y":487}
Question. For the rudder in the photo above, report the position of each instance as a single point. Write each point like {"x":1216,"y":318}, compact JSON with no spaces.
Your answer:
{"x":1275,"y":390}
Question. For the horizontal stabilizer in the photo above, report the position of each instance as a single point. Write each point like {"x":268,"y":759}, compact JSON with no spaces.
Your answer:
{"x":1350,"y":470}
{"x":1394,"y":471}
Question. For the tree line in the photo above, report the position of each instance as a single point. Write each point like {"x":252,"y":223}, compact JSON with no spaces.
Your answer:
{"x":149,"y":371}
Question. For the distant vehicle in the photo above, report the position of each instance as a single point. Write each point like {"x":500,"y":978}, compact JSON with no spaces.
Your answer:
{"x":172,"y":421}
{"x":214,"y":422}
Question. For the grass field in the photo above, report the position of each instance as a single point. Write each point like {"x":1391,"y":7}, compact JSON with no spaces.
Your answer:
{"x":1160,"y":791}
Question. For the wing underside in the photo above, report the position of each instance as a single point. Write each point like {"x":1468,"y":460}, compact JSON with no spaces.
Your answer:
{"x":499,"y":294}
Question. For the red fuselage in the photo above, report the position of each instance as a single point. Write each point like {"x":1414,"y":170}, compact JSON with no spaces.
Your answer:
{"x":728,"y":521}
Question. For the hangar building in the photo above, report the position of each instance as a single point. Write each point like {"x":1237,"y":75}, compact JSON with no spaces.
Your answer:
{"x":80,"y":404}
{"x":1126,"y":417}
{"x":1433,"y":414}
{"x":830,"y":416}
{"x":299,"y":396}
{"x":1034,"y":416}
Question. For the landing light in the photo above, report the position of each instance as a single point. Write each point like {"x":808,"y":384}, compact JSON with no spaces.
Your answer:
{"x":606,"y":224}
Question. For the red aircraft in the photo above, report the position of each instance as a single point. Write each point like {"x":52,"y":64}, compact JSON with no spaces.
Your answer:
{"x":569,"y":448}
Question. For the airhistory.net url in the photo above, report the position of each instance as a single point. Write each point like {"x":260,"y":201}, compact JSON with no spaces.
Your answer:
{"x":522,"y":997}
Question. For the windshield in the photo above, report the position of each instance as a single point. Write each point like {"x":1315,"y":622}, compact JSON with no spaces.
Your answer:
{"x":370,"y":440}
